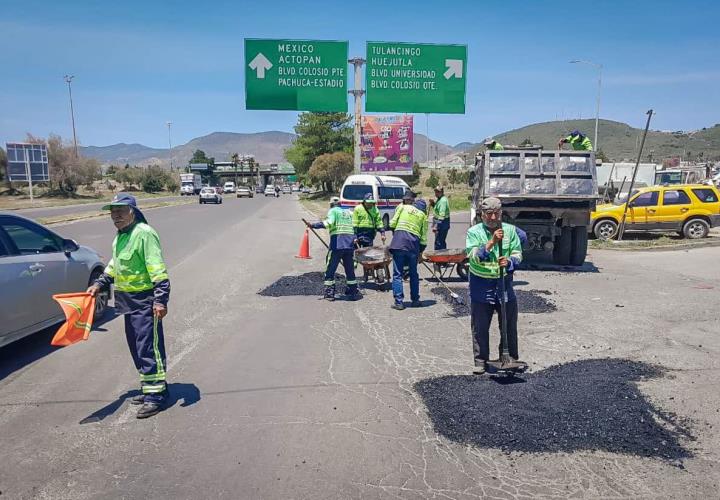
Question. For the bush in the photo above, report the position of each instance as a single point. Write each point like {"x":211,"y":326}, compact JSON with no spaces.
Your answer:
{"x":433,"y":181}
{"x":154,"y":179}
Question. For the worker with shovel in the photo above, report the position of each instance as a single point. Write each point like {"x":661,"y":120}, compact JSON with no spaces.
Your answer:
{"x":339,"y":224}
{"x":409,"y":226}
{"x":494,"y":250}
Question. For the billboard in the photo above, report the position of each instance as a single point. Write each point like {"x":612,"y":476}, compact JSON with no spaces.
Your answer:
{"x":387,"y":145}
{"x":24,"y":158}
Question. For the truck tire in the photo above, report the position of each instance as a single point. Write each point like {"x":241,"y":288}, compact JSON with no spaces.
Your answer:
{"x":386,"y":222}
{"x":579,"y":245}
{"x":563,"y":247}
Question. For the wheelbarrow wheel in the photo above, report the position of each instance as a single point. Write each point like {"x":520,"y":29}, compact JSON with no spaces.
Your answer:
{"x":461,"y":269}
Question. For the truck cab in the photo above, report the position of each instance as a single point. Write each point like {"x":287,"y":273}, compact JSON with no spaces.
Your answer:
{"x":549,"y":194}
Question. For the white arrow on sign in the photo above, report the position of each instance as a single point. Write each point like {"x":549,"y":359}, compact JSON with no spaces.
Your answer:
{"x":454,"y":68}
{"x":261,"y":63}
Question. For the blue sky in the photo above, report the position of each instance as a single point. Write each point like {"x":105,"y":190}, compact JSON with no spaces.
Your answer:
{"x":139,"y":64}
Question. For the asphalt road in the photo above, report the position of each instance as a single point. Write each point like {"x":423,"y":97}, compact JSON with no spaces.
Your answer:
{"x":34,"y":213}
{"x":294,"y":397}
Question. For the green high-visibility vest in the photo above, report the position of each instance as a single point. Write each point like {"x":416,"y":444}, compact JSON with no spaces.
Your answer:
{"x":367,"y":219}
{"x":411,"y":219}
{"x":497,"y":146}
{"x":137,"y":262}
{"x":478,"y":236}
{"x":339,"y":221}
{"x":441,"y":210}
{"x":579,"y":143}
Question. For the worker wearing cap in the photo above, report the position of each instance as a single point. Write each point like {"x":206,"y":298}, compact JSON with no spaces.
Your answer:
{"x":441,"y":218}
{"x":577,"y":140}
{"x":339,"y":223}
{"x":493,"y":145}
{"x":142,"y":291}
{"x":409,"y":226}
{"x":491,"y":245}
{"x":367,"y":221}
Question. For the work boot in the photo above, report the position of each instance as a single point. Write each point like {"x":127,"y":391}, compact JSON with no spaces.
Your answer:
{"x":416,"y":303}
{"x":352,"y":293}
{"x":398,"y":306}
{"x":137,"y":400}
{"x":149,"y":409}
{"x":479,"y":369}
{"x":329,"y":293}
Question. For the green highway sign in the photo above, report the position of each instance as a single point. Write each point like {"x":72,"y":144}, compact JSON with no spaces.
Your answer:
{"x":415,"y":77}
{"x":302,"y":75}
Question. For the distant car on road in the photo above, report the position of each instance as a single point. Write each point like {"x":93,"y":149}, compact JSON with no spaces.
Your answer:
{"x":229,"y":187}
{"x":305,"y":190}
{"x":210,"y":195}
{"x":259,"y":189}
{"x":296,"y":189}
{"x":35,"y":264}
{"x":269,"y":190}
{"x":244,"y":191}
{"x":286,"y":190}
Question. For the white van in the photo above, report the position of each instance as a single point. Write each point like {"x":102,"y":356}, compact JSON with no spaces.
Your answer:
{"x":388,"y":193}
{"x":229,"y":187}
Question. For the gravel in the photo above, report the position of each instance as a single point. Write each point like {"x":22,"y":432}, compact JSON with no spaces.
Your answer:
{"x":529,"y":301}
{"x":584,"y":405}
{"x":304,"y":284}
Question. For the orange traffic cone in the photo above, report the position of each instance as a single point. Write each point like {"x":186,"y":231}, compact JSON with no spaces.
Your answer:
{"x":304,"y":252}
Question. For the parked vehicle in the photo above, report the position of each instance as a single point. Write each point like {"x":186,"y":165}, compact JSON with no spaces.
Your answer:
{"x":210,"y":195}
{"x":295,"y":189}
{"x":549,"y":194}
{"x":244,"y":191}
{"x":287,"y":190}
{"x":388,"y":192}
{"x":190,"y":184}
{"x":35,"y":264}
{"x":688,"y":209}
{"x":259,"y":189}
{"x":269,"y":190}
{"x":229,"y":187}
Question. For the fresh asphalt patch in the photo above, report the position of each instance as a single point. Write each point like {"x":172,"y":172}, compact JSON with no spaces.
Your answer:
{"x":308,"y":284}
{"x":529,"y":301}
{"x":590,"y":405}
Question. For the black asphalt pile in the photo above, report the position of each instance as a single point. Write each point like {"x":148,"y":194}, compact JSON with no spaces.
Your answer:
{"x":304,"y":284}
{"x":584,"y":405}
{"x":529,"y":301}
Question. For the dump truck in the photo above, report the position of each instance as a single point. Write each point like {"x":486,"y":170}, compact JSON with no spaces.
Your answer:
{"x":549,"y":194}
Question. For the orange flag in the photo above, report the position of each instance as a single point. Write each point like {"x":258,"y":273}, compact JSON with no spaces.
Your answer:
{"x":79,"y":309}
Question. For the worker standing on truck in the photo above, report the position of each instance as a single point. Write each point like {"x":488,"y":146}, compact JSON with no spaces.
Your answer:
{"x":367,"y":221}
{"x":577,"y":140}
{"x":142,"y":291}
{"x":339,"y":223}
{"x":409,"y":226}
{"x":491,"y":245}
{"x":493,"y":145}
{"x":441,"y":218}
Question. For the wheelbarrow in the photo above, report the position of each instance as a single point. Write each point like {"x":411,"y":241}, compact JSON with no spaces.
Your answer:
{"x":445,"y":261}
{"x":376,"y":263}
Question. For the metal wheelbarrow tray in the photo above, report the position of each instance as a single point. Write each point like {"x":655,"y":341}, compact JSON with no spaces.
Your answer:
{"x":445,"y":260}
{"x":375,"y":262}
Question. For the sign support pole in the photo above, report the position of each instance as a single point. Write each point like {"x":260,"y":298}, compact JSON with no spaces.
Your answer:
{"x":28,"y":172}
{"x":357,"y":92}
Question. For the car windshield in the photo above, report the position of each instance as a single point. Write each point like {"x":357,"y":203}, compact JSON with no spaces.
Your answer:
{"x":208,"y":191}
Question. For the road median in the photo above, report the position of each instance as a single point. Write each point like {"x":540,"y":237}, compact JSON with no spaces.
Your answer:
{"x":70,"y":218}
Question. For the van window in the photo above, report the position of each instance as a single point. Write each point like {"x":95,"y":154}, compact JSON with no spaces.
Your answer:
{"x":356,"y":191}
{"x":678,"y":197}
{"x":391,"y":193}
{"x":705,"y":195}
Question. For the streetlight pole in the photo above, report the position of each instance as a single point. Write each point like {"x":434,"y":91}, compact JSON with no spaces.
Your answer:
{"x":597,"y":104}
{"x":169,"y":123}
{"x":68,"y":80}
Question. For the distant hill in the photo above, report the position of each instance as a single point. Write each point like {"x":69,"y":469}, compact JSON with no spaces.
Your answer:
{"x":619,"y":141}
{"x":268,"y":147}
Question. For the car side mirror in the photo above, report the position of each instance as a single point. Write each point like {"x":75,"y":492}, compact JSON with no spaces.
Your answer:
{"x":69,"y":246}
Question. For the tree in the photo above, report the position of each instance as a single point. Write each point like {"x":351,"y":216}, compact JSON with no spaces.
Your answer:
{"x":453,"y":177}
{"x":66,"y":171}
{"x":600,"y":155}
{"x":199,"y":156}
{"x":318,"y":134}
{"x":3,"y":164}
{"x":433,"y":181}
{"x":330,"y":170}
{"x":154,"y":179}
{"x":414,"y":179}
{"x":130,"y":177}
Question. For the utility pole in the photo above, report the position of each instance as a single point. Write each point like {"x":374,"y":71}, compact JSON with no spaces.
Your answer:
{"x":621,"y":229}
{"x":427,"y":139}
{"x":597,"y":103}
{"x":169,"y":123}
{"x":357,"y":93}
{"x":68,"y":80}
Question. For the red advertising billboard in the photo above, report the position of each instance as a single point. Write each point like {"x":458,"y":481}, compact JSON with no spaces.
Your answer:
{"x":387,"y":145}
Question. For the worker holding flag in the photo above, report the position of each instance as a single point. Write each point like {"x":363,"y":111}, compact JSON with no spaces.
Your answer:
{"x":142,"y":290}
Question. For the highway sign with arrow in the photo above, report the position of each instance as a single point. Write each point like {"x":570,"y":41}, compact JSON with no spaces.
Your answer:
{"x":415,"y":77}
{"x":302,"y":75}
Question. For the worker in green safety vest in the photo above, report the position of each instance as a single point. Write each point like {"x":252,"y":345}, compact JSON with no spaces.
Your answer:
{"x":367,"y":222}
{"x":493,"y":145}
{"x":577,"y":140}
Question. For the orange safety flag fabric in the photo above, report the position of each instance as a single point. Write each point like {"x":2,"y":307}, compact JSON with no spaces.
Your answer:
{"x":79,"y":309}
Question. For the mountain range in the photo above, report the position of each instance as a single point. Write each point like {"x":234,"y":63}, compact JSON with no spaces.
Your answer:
{"x":618,"y":141}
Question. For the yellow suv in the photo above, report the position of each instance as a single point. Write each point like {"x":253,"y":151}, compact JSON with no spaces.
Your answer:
{"x":689,"y":209}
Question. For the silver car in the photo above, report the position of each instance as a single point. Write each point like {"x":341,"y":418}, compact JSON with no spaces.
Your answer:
{"x":35,"y":264}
